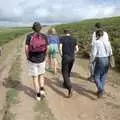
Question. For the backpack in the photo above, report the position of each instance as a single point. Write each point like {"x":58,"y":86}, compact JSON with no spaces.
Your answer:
{"x":38,"y":43}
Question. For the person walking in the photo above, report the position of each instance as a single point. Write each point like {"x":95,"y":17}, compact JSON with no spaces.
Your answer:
{"x":36,"y":49}
{"x":68,"y":48}
{"x":100,"y":54}
{"x":53,"y":42}
{"x":98,"y":26}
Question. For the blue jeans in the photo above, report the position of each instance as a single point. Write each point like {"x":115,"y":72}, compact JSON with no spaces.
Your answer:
{"x":100,"y":72}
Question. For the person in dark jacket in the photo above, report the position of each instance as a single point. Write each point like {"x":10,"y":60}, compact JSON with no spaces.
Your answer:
{"x":68,"y":48}
{"x":36,"y":49}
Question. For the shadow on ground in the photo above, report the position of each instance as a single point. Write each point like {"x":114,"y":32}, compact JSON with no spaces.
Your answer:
{"x":55,"y":85}
{"x":9,"y":83}
{"x":75,"y":75}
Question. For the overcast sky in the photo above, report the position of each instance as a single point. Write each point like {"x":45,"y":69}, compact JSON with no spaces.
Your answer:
{"x":24,"y":12}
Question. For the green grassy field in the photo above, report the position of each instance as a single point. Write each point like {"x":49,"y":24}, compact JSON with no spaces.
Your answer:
{"x":83,"y":30}
{"x":8,"y":34}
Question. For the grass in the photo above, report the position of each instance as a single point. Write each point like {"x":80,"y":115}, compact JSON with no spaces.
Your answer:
{"x":12,"y":82}
{"x":7,"y":42}
{"x":43,"y":111}
{"x":9,"y":35}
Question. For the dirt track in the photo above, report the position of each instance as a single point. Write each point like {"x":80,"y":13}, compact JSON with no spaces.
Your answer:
{"x":9,"y":50}
{"x":84,"y":104}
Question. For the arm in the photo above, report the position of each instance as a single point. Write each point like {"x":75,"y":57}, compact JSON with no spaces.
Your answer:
{"x":76,"y":46}
{"x":60,"y":46}
{"x":76,"y":49}
{"x":27,"y":46}
{"x":93,"y":39}
{"x":109,"y":43}
{"x":93,"y":52}
{"x":60,"y":49}
{"x":106,"y":36}
{"x":111,"y":57}
{"x":110,"y":49}
{"x":27,"y":51}
{"x":47,"y":43}
{"x":47,"y":50}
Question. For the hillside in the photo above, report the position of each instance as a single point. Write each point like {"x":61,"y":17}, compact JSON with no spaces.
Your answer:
{"x":83,"y":32}
{"x":8,"y":34}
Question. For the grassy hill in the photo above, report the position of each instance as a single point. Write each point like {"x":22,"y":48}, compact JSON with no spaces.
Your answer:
{"x":8,"y":34}
{"x":83,"y":32}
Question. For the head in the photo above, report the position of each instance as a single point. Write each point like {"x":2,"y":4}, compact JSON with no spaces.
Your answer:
{"x":52,"y":31}
{"x":67,"y":31}
{"x":36,"y":27}
{"x":99,"y":33}
{"x":98,"y":25}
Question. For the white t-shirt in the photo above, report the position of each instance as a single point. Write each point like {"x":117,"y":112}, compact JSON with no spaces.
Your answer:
{"x":105,"y":37}
{"x":101,"y":48}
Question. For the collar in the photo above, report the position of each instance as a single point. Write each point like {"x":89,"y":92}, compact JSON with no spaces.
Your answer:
{"x":67,"y":34}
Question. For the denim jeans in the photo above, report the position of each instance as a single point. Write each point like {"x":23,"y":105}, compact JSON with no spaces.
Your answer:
{"x":67,"y":64}
{"x":100,"y":72}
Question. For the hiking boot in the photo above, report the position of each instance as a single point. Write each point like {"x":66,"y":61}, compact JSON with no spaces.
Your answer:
{"x":100,"y":94}
{"x":38,"y":97}
{"x":91,"y":79}
{"x":69,"y":93}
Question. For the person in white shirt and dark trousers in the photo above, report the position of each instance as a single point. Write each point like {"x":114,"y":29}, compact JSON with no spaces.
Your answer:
{"x":101,"y":50}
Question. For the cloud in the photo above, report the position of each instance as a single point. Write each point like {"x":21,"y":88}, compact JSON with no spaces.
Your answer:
{"x":53,"y":11}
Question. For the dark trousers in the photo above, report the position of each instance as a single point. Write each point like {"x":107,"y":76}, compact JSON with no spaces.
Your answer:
{"x":67,"y":64}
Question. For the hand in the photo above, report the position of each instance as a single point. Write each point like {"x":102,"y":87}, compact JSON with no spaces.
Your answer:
{"x":112,"y":62}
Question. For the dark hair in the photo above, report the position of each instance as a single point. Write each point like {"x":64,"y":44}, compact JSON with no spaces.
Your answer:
{"x":99,"y":33}
{"x":66,"y":31}
{"x":98,"y":25}
{"x":36,"y":26}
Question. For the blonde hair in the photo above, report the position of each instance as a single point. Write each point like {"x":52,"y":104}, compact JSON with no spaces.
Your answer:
{"x":52,"y":31}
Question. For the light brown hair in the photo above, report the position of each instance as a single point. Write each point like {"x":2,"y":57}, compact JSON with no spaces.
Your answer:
{"x":52,"y":31}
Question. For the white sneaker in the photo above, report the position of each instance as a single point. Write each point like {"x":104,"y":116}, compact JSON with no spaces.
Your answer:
{"x":38,"y":98}
{"x":42,"y":94}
